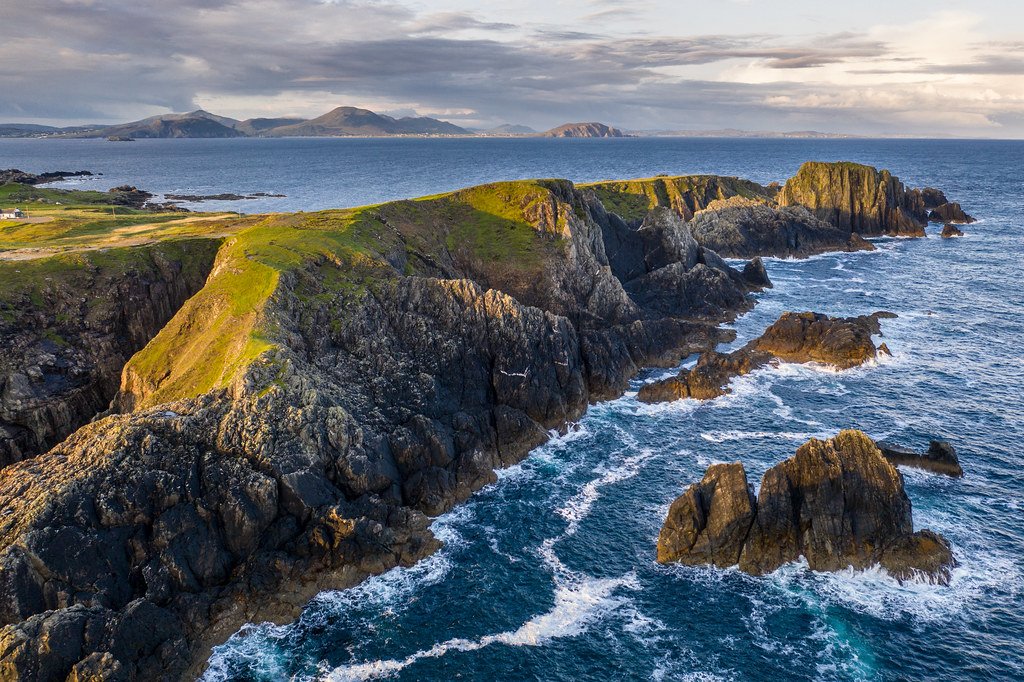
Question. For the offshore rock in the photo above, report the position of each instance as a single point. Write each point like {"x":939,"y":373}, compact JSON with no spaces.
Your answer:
{"x":949,"y":231}
{"x":950,"y":212}
{"x":940,"y":458}
{"x":794,"y":337}
{"x":838,"y":503}
{"x":856,"y":198}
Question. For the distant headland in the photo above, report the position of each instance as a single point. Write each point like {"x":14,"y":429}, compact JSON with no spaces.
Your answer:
{"x":347,"y":122}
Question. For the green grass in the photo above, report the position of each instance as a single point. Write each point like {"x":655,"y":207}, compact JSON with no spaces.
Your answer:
{"x":332,"y":259}
{"x":633,"y":199}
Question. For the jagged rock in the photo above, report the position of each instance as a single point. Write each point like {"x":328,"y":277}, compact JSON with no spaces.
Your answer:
{"x":756,"y":274}
{"x":710,"y":521}
{"x":838,"y":503}
{"x":129,"y":195}
{"x":23,"y":178}
{"x":949,"y":231}
{"x":794,"y":337}
{"x":856,"y":198}
{"x":742,"y":228}
{"x":932,"y":198}
{"x":950,"y":212}
{"x":940,"y":458}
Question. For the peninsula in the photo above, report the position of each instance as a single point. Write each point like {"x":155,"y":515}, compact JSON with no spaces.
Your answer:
{"x":206,"y":419}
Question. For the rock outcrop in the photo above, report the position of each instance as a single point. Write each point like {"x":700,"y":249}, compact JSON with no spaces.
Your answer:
{"x":949,"y":231}
{"x":340,"y":376}
{"x":940,"y":458}
{"x":856,"y":198}
{"x":69,"y":324}
{"x":950,"y":212}
{"x":743,"y":228}
{"x":838,"y":503}
{"x":22,"y":178}
{"x":794,"y":337}
{"x":583,"y":130}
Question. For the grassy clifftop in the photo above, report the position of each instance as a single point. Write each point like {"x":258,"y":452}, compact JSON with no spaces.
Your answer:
{"x":502,"y":230}
{"x":685,"y":194}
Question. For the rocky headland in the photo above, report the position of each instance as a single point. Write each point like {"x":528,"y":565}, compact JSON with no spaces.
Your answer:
{"x":795,"y":337}
{"x":315,"y":388}
{"x":837,"y":503}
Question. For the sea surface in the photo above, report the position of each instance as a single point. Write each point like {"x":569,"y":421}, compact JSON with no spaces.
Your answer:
{"x":549,"y":574}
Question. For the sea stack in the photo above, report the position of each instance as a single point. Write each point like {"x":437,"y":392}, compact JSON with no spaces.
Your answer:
{"x":838,"y":503}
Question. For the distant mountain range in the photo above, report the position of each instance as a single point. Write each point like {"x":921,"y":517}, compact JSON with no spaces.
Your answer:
{"x":349,"y":122}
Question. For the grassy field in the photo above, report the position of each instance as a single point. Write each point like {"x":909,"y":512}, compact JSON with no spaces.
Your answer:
{"x":71,"y":220}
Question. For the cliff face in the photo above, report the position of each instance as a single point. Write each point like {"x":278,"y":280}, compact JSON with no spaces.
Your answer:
{"x":69,"y":324}
{"x":339,"y":376}
{"x":856,"y":198}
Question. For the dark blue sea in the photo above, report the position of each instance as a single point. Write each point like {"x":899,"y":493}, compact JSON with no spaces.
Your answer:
{"x":549,"y":574}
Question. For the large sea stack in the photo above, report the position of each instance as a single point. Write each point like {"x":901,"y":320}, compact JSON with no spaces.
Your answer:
{"x":838,"y":503}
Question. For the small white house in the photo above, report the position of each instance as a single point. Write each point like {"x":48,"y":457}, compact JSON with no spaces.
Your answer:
{"x":11,"y":214}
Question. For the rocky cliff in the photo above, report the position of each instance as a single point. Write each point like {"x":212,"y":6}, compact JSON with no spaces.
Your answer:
{"x":69,"y":324}
{"x":838,"y":503}
{"x":340,"y":375}
{"x":856,"y":198}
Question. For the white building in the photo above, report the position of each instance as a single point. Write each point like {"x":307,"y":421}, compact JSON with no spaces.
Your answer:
{"x":11,"y":214}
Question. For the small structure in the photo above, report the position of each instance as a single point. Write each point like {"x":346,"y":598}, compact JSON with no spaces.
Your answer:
{"x":11,"y":214}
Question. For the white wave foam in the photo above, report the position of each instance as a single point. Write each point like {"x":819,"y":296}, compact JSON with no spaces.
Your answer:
{"x":579,"y":505}
{"x":577,"y":606}
{"x":726,"y":436}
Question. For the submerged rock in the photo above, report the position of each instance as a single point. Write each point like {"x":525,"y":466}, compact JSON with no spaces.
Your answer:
{"x":794,"y":337}
{"x":940,"y":457}
{"x":949,"y":231}
{"x":950,"y":212}
{"x":838,"y":503}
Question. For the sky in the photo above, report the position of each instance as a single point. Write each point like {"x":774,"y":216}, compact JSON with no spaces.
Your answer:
{"x":874,"y":67}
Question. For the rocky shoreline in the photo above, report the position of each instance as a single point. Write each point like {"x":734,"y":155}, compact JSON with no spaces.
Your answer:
{"x":342,"y":376}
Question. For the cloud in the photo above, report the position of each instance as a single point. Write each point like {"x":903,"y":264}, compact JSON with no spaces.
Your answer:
{"x":115,"y":60}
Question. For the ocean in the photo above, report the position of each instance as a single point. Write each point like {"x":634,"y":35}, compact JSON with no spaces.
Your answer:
{"x":549,"y":574}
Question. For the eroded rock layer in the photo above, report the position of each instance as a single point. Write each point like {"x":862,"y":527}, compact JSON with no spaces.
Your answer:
{"x":69,"y":324}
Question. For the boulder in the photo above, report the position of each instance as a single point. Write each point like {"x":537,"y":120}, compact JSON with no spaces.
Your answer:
{"x":940,"y":458}
{"x":949,"y":231}
{"x":950,"y":212}
{"x":838,"y":503}
{"x":756,"y":275}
